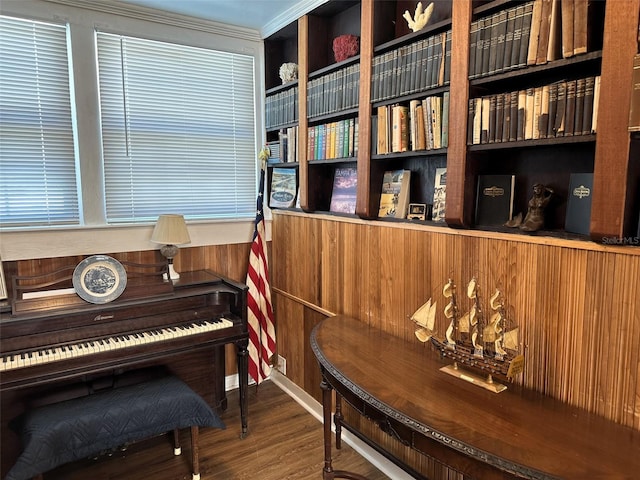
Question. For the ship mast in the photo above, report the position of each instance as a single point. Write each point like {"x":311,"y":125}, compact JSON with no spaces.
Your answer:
{"x":451,"y":311}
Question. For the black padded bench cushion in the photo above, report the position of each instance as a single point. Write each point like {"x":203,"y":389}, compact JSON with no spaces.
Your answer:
{"x":63,"y":432}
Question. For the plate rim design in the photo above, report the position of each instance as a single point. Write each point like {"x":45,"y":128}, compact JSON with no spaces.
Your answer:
{"x":99,"y":260}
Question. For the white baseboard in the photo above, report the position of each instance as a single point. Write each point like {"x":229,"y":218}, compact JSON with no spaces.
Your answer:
{"x":310,"y":404}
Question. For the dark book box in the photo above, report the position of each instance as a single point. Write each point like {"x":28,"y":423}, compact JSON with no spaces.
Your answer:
{"x":494,"y":199}
{"x":578,"y":217}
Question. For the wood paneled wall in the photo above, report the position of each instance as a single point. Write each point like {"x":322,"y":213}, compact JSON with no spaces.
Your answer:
{"x":576,"y":303}
{"x":228,"y":260}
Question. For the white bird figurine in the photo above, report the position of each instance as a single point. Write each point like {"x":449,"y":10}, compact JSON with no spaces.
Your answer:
{"x":420,"y":18}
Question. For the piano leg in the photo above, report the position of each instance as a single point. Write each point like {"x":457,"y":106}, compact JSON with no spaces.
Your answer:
{"x":243,"y":379}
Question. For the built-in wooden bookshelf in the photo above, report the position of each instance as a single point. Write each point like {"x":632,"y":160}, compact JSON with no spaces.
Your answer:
{"x":608,"y":153}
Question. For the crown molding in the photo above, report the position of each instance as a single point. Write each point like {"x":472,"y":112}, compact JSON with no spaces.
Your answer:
{"x":286,"y":17}
{"x":152,"y":15}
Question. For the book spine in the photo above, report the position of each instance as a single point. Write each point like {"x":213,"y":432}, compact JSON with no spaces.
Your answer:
{"x":570,"y":108}
{"x":508,"y":39}
{"x":447,"y":59}
{"x":529,"y":113}
{"x":566,"y":12}
{"x":580,"y":97}
{"x":537,"y":110}
{"x":545,"y":29}
{"x":526,"y":34}
{"x":506,"y":122}
{"x":436,"y":107}
{"x":470,"y":120}
{"x":492,"y":119}
{"x":499,"y":118}
{"x":477,"y":121}
{"x":445,"y":119}
{"x":534,"y":36}
{"x":554,"y":50}
{"x":486,"y":46}
{"x":485,"y":117}
{"x":596,"y":103}
{"x":473,"y":45}
{"x":543,"y":123}
{"x":522,"y":103}
{"x":482,"y":34}
{"x":500,"y":44}
{"x":561,"y":109}
{"x":517,"y":36}
{"x":580,"y":26}
{"x":493,"y":44}
{"x":553,"y":106}
{"x":513,"y":116}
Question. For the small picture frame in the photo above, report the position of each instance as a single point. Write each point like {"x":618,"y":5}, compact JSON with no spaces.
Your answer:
{"x":417,"y":211}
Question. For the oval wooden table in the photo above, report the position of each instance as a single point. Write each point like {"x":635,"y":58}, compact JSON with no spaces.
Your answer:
{"x":517,"y":433}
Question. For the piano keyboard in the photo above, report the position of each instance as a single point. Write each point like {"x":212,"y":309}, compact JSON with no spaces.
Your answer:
{"x":55,"y":354}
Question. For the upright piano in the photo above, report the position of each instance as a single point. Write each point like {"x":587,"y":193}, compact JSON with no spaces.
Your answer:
{"x":65,"y":346}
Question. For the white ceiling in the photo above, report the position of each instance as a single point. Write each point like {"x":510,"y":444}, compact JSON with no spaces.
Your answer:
{"x":266,"y":16}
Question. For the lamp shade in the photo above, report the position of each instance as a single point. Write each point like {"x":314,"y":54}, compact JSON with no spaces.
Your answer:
{"x":170,"y":229}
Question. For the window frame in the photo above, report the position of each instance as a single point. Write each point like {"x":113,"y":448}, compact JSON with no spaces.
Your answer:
{"x":95,"y":235}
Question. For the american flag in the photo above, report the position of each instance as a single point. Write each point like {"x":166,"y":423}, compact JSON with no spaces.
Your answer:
{"x":262,"y":338}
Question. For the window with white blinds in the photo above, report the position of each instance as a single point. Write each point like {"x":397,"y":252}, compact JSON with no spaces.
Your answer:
{"x":178,"y":130}
{"x":37,"y":152}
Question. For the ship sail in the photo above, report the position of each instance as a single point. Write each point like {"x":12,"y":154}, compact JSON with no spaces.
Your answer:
{"x":451,"y":311}
{"x":425,"y":318}
{"x":510,"y":339}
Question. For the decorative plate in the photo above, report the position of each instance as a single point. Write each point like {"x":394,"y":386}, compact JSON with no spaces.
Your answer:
{"x":99,"y":279}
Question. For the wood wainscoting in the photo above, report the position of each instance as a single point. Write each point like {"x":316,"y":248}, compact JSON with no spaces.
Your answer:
{"x":576,"y":302}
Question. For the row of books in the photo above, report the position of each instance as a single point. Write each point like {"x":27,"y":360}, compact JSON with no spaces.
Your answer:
{"x":561,"y":109}
{"x":533,"y":33}
{"x":412,"y":68}
{"x":281,"y":108}
{"x":334,"y":92}
{"x":288,"y":139}
{"x":333,"y":140}
{"x":423,"y":125}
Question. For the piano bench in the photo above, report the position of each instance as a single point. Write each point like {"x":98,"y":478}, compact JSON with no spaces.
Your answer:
{"x":83,"y":427}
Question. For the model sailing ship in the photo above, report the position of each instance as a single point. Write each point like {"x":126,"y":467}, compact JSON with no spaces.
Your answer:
{"x":487,"y":348}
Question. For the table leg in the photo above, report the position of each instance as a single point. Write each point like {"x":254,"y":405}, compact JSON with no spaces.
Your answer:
{"x":327,"y":471}
{"x":337,"y":420}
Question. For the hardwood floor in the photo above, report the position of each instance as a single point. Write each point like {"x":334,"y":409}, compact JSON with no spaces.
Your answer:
{"x":284,"y":442}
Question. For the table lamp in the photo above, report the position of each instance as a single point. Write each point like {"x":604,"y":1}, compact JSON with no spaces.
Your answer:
{"x":171,"y":231}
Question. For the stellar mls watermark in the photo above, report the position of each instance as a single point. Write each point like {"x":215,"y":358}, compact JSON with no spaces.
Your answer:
{"x":621,"y":240}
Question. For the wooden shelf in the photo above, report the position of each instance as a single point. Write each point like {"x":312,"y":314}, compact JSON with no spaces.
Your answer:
{"x":381,"y":29}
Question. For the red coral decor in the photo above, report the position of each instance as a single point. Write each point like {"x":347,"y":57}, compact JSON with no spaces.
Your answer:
{"x":345,"y":46}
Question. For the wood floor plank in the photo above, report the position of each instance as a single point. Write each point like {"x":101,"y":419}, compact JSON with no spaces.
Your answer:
{"x":284,"y":443}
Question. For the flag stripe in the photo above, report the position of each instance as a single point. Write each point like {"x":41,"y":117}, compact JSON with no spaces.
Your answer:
{"x":262,"y":339}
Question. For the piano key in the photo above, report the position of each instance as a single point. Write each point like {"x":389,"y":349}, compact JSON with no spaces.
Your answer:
{"x":63,"y":352}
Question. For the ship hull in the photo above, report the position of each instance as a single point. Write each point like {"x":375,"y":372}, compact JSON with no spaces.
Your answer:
{"x":465,"y":357}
